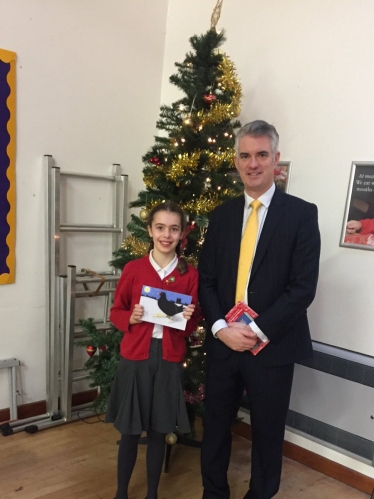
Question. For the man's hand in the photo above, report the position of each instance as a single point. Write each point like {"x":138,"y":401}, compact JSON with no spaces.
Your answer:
{"x":237,"y":336}
{"x":353,"y":226}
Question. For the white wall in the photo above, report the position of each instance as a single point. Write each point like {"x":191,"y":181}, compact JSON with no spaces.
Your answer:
{"x":306,"y":67}
{"x":88,"y":92}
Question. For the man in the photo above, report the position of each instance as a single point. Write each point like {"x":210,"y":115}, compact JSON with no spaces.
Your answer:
{"x":279,"y":284}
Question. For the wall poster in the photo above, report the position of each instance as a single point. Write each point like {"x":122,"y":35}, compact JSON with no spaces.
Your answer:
{"x":358,"y":223}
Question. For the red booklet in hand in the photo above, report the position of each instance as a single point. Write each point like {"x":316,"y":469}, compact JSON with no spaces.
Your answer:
{"x":242,"y":313}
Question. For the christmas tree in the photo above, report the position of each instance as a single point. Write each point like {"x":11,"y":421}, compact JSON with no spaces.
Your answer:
{"x":191,"y":163}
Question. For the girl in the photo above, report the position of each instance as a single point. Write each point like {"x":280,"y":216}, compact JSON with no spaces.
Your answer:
{"x":147,"y":393}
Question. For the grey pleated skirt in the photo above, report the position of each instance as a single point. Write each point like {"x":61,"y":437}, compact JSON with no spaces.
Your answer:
{"x":148,"y":394}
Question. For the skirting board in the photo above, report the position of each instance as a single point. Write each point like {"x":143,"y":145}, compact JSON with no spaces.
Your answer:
{"x":37,"y":408}
{"x":319,"y":463}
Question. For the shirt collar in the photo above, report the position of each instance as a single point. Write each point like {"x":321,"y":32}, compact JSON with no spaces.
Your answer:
{"x":265,"y":198}
{"x":169,"y":267}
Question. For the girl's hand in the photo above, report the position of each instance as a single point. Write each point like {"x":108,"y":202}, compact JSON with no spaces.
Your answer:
{"x":188,"y":311}
{"x":137,"y":314}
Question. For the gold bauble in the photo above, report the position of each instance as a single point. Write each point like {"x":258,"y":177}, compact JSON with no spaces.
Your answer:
{"x":235,"y":111}
{"x":144,"y":214}
{"x":171,"y":438}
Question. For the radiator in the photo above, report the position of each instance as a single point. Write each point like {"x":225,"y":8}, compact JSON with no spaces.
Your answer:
{"x":333,"y":400}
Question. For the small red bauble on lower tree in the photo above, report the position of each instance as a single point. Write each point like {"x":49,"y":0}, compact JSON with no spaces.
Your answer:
{"x":210,"y":98}
{"x":90,"y":349}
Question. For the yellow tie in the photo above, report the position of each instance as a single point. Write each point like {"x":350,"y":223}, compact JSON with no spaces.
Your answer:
{"x":247,"y":249}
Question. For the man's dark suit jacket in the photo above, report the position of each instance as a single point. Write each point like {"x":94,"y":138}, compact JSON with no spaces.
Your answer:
{"x":283,"y":277}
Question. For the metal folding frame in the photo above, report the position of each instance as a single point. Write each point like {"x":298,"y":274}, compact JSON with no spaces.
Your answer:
{"x":71,"y":331}
{"x":11,"y":365}
{"x":62,"y":292}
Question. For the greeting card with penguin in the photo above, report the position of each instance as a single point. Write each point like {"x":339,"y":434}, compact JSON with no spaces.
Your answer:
{"x":164,"y":307}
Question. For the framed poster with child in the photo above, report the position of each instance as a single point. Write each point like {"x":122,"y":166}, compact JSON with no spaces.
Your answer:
{"x":358,"y":223}
{"x":282,"y":175}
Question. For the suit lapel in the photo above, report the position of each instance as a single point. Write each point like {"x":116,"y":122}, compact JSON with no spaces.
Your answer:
{"x":273,"y":217}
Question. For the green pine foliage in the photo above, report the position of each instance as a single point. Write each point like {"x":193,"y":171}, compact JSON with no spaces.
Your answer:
{"x":101,"y":366}
{"x":194,"y":377}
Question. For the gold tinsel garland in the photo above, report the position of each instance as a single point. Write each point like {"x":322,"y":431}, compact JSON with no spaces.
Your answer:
{"x":191,"y":259}
{"x":135,"y":247}
{"x":219,"y":113}
{"x":150,"y":176}
{"x":215,"y":160}
{"x":231,"y":193}
{"x":228,"y":81}
{"x":203,"y":204}
{"x":185,"y":163}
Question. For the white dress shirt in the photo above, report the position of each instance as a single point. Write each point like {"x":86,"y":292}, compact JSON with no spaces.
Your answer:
{"x":262,"y":212}
{"x":158,"y":328}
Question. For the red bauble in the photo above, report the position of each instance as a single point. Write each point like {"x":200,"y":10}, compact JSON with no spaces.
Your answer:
{"x":210,"y":98}
{"x":103,"y":348}
{"x":90,"y":349}
{"x":155,"y":160}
